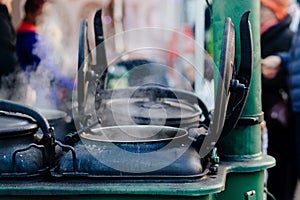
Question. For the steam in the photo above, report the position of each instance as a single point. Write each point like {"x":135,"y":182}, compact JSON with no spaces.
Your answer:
{"x":13,"y":87}
{"x":44,"y":80}
{"x":54,"y":53}
{"x":40,"y":82}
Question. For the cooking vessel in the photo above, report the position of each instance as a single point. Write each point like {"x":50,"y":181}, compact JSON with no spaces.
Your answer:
{"x":134,"y":151}
{"x":151,"y":105}
{"x":23,"y":152}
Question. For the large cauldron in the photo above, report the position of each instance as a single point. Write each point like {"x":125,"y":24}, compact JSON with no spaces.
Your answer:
{"x":134,"y":151}
{"x":151,"y":105}
{"x":23,"y":152}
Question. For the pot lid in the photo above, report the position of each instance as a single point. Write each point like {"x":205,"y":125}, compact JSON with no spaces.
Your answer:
{"x":152,"y":105}
{"x":147,"y":109}
{"x":240,"y":84}
{"x":16,"y":124}
{"x":225,"y":75}
{"x":226,"y":70}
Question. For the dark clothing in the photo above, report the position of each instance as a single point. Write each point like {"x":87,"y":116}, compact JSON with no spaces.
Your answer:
{"x":281,"y":181}
{"x":27,"y":37}
{"x":11,"y":77}
{"x":8,"y":58}
{"x":27,"y":41}
{"x":290,"y":63}
{"x":276,"y":39}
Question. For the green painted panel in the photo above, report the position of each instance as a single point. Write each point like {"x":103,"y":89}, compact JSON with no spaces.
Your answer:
{"x":242,"y":142}
{"x":238,"y":184}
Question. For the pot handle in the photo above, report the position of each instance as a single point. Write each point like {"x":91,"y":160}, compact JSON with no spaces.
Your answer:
{"x":198,"y":135}
{"x":10,"y":106}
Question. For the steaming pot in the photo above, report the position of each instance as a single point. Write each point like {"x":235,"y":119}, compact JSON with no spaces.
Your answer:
{"x":134,"y":151}
{"x":23,"y":152}
{"x":151,"y":105}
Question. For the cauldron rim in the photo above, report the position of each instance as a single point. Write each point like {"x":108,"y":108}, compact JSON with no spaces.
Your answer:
{"x":178,"y":132}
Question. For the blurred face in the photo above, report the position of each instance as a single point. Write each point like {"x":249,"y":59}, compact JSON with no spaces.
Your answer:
{"x":39,"y":11}
{"x":266,"y":14}
{"x":37,"y":15}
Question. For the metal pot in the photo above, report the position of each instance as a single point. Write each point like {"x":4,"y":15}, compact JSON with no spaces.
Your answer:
{"x":151,"y":105}
{"x":23,"y":152}
{"x":133,"y":151}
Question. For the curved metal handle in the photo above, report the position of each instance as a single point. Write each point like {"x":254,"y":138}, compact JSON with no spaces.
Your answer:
{"x":40,"y":147}
{"x":198,"y":136}
{"x":74,"y":157}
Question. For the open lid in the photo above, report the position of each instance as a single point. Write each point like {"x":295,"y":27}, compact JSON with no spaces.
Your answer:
{"x":228,"y":82}
{"x":88,"y":72}
{"x":225,"y":75}
{"x":231,"y":87}
{"x":239,"y":86}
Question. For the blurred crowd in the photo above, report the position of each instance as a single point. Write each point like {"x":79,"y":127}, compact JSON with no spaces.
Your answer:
{"x":280,"y":44}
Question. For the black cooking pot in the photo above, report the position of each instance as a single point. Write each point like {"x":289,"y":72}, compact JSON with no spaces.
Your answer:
{"x":134,"y":151}
{"x":151,"y":105}
{"x":23,"y":152}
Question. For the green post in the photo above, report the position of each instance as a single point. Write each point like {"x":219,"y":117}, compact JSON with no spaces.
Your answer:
{"x":243,"y":144}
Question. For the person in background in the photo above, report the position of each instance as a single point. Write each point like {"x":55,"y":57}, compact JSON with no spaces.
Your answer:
{"x":43,"y":76}
{"x":288,"y":62}
{"x":275,"y":37}
{"x":10,"y":79}
{"x":27,"y":35}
